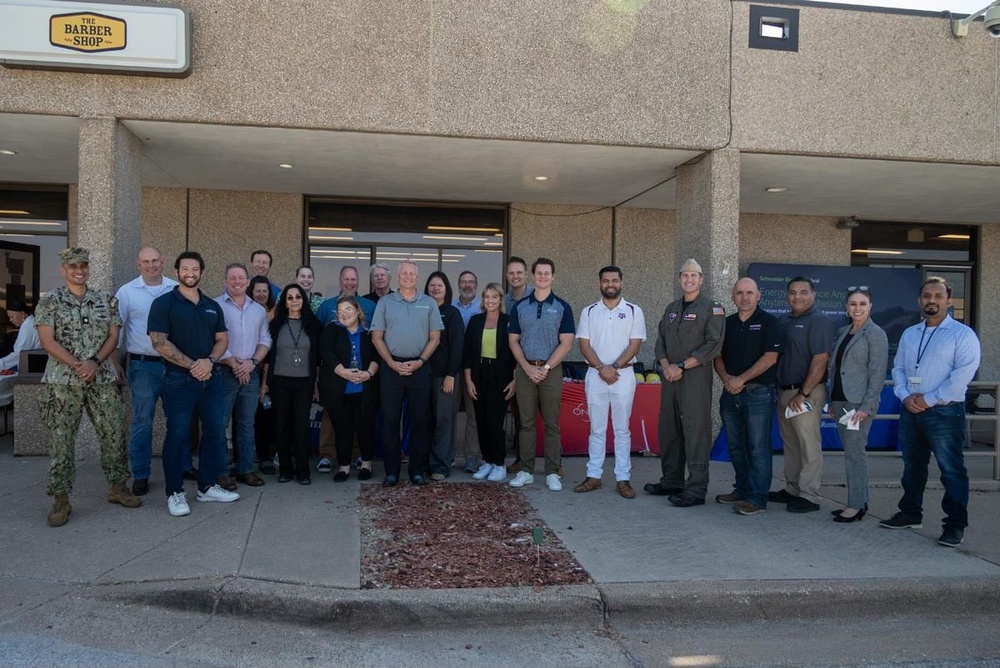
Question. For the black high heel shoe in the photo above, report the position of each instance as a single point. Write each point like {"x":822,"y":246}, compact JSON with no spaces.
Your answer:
{"x":853,"y":518}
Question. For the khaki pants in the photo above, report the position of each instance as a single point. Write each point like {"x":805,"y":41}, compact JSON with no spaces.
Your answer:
{"x":803,"y":444}
{"x":544,"y":398}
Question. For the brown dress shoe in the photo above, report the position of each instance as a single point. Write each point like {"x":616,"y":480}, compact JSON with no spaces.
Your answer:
{"x":728,"y":499}
{"x":251,"y":479}
{"x":588,"y":485}
{"x":227,"y":483}
{"x":119,"y":493}
{"x":625,"y":489}
{"x":60,"y":511}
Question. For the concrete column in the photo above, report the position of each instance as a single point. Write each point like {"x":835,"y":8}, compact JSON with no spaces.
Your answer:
{"x":109,"y":201}
{"x":708,"y":219}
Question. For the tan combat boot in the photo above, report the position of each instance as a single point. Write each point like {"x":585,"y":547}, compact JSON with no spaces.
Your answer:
{"x":60,"y":511}
{"x":119,"y":493}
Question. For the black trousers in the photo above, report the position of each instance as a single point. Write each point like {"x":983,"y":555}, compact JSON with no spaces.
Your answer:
{"x":491,"y":410}
{"x":416,"y":390}
{"x":291,"y":400}
{"x":353,"y":416}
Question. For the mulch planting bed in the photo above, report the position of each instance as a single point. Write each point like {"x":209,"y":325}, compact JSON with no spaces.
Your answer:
{"x":458,"y":535}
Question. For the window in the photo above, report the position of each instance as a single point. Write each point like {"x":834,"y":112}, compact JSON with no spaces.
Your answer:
{"x":774,"y":28}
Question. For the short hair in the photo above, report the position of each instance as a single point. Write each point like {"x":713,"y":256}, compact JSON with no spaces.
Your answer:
{"x":189,"y":255}
{"x":802,"y":279}
{"x":497,"y":288}
{"x":937,"y":280}
{"x":236,"y":265}
{"x":412,"y":263}
{"x":519,"y":260}
{"x":270,"y":258}
{"x":349,"y":266}
{"x":611,"y":268}
{"x":305,"y":266}
{"x":448,"y":295}
{"x":470,"y":273}
{"x":543,"y":260}
{"x":379,"y":265}
{"x":350,"y":299}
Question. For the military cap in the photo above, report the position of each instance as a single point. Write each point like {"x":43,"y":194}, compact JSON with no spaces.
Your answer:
{"x":691,"y":265}
{"x":74,"y":255}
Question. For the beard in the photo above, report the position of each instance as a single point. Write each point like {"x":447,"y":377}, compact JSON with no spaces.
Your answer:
{"x":931,"y":309}
{"x":611,"y":293}
{"x":189,"y":282}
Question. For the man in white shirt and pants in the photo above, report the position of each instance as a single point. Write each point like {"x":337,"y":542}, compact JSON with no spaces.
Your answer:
{"x":610,"y":334}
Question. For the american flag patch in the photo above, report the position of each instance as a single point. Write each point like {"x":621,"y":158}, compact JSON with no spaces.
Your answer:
{"x":718,"y":310}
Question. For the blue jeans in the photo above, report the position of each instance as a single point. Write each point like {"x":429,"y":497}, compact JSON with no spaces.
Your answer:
{"x":747,"y":418}
{"x":941,"y":430}
{"x":145,"y":381}
{"x":181,"y":395}
{"x":244,"y":398}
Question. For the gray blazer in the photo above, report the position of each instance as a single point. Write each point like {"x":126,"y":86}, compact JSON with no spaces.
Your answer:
{"x":862,"y":370}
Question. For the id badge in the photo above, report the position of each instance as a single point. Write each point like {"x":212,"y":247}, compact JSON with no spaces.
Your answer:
{"x":913,"y":381}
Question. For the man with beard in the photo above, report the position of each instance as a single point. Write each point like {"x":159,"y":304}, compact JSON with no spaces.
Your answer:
{"x":188,"y":329}
{"x":935,"y":362}
{"x":690,"y":337}
{"x":610,"y":334}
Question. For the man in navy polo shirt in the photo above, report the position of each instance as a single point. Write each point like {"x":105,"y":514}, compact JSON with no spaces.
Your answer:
{"x":754,"y":339}
{"x":188,"y":330}
{"x":541,"y":332}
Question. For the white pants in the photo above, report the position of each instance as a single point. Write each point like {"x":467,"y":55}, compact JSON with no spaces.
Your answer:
{"x":618,"y":397}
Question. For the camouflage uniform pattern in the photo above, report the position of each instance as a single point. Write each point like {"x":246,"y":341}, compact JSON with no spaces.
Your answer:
{"x":81,"y":327}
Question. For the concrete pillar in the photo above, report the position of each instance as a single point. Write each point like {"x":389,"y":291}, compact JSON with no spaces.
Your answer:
{"x":109,"y":201}
{"x":708,"y":219}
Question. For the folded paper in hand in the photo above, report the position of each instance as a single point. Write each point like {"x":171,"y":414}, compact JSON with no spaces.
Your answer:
{"x":806,"y":407}
{"x":845,"y":420}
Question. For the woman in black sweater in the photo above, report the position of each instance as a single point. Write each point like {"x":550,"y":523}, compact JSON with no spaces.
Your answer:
{"x":446,"y":365}
{"x":291,"y":380}
{"x":489,"y":374}
{"x":348,"y":363}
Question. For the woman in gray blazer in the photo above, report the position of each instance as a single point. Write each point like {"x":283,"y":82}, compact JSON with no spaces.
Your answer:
{"x":857,"y":371}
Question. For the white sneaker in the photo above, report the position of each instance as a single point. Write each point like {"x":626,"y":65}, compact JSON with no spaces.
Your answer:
{"x":521,"y":479}
{"x":483,"y":472}
{"x":498,"y":474}
{"x":324,"y":465}
{"x":553,"y":482}
{"x":177,"y":504}
{"x":216,"y":493}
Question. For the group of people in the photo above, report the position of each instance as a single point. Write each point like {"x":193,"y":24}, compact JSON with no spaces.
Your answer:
{"x":258,"y":355}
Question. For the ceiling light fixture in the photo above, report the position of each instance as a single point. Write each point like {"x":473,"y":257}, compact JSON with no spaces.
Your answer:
{"x":313,"y":237}
{"x":776,"y":189}
{"x":448,"y":228}
{"x":330,"y":229}
{"x":955,"y":237}
{"x":13,"y":212}
{"x":541,"y":178}
{"x":48,"y":223}
{"x":286,"y":165}
{"x":7,"y":151}
{"x":869,"y":251}
{"x":451,"y":238}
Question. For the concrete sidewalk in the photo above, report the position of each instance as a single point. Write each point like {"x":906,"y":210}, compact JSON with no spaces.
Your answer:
{"x":295,"y":551}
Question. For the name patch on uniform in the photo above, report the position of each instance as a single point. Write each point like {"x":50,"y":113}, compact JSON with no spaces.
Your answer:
{"x":718,"y":310}
{"x":690,"y":316}
{"x":755,"y":328}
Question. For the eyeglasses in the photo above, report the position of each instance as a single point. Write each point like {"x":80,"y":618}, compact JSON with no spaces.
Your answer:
{"x":859,"y":288}
{"x":297,"y":298}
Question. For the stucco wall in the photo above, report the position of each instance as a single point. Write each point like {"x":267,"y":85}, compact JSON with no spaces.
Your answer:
{"x":870,"y":84}
{"x":792,"y":239}
{"x":989,"y":313}
{"x":560,"y":70}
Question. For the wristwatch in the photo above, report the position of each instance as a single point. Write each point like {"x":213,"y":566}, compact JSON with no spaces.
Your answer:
{"x":615,"y":366}
{"x":547,"y":367}
{"x":680,"y":365}
{"x":213,"y":360}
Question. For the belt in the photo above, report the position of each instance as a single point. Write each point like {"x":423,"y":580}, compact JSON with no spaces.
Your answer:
{"x":486,"y":361}
{"x":145,"y":358}
{"x":754,"y":386}
{"x":620,"y":366}
{"x":404,"y":359}
{"x":537,"y":362}
{"x":784,"y":388}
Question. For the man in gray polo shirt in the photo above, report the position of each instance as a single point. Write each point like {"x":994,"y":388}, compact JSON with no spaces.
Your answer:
{"x":802,"y":381}
{"x":406,"y":329}
{"x":541,"y":332}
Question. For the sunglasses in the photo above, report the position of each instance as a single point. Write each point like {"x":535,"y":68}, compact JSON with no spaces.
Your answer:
{"x":859,"y":288}
{"x":297,"y":298}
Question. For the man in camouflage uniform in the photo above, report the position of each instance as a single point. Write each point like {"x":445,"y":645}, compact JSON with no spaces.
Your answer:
{"x":78,"y":328}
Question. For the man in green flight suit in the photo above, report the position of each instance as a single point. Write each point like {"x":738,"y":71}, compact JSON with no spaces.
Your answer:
{"x":78,"y":328}
{"x":690,"y":337}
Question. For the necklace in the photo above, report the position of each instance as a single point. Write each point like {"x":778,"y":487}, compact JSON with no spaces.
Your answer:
{"x":296,"y":355}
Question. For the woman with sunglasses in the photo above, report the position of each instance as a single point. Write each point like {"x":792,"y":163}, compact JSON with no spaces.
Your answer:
{"x":291,"y":380}
{"x":857,"y":369}
{"x":346,"y":390}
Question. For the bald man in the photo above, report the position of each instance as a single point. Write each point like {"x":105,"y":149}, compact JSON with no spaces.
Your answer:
{"x":754,"y":340}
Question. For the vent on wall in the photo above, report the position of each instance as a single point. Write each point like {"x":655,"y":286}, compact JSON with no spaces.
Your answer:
{"x":774,"y":28}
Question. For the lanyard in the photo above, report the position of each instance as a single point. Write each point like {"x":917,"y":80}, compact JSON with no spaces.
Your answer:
{"x":921,"y":347}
